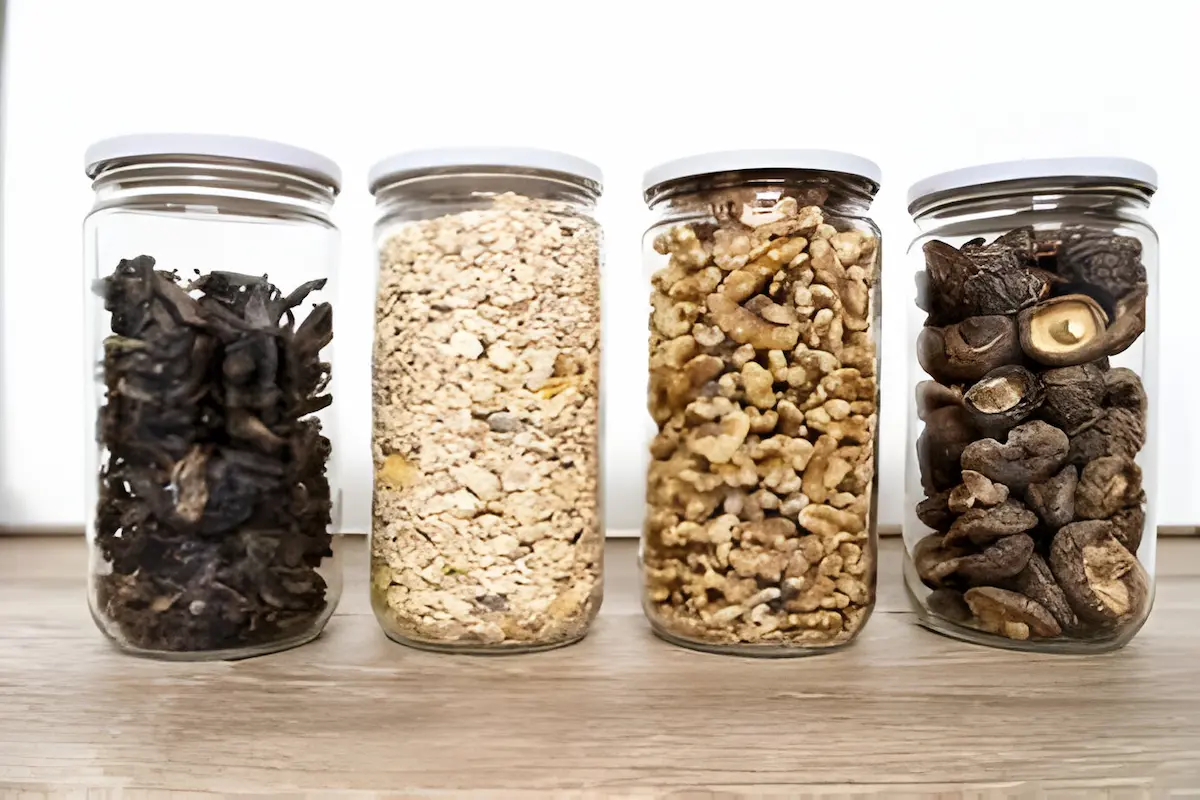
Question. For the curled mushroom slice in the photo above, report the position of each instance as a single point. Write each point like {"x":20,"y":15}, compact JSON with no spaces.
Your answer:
{"x":1037,"y":583}
{"x":1104,"y":583}
{"x":968,"y":350}
{"x":982,"y":525}
{"x":1009,"y":614}
{"x":934,"y":561}
{"x":1002,"y":559}
{"x":1064,"y":331}
{"x":1003,"y":398}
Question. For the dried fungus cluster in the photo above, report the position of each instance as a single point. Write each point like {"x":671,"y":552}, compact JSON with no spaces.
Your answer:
{"x":762,"y":385}
{"x":1030,"y":437}
{"x":213,"y":502}
{"x":487,"y":343}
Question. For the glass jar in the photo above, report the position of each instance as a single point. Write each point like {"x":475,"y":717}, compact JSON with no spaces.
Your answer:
{"x":1030,"y":506}
{"x":759,"y":537}
{"x":486,"y":530}
{"x":209,"y":480}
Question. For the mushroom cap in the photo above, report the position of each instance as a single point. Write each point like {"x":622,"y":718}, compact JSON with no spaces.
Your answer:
{"x":1037,"y":583}
{"x":1003,"y":398}
{"x":1104,"y":582}
{"x":1001,"y":559}
{"x":1063,"y":331}
{"x":1010,"y":614}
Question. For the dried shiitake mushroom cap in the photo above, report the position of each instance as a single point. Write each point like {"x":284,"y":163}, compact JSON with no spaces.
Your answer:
{"x":1009,"y":614}
{"x":1104,"y":583}
{"x":968,"y":350}
{"x":1037,"y":583}
{"x":1101,"y":257}
{"x":1124,"y":390}
{"x":1107,"y":485}
{"x":948,"y":432}
{"x":1118,"y":432}
{"x":1033,"y":452}
{"x":1074,"y":396}
{"x":1003,"y":398}
{"x":1002,"y":559}
{"x":1129,"y":321}
{"x":1128,"y":525}
{"x":1054,"y":498}
{"x":934,"y":561}
{"x":982,"y":525}
{"x":932,"y":395}
{"x":948,"y":603}
{"x":976,"y":491}
{"x":1057,"y":332}
{"x":934,"y":511}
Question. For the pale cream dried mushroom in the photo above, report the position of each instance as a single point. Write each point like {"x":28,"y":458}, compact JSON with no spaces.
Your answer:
{"x":1064,"y":331}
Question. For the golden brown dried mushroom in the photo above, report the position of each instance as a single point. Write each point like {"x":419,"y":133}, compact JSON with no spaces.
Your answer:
{"x":1104,"y":583}
{"x":1003,"y":398}
{"x":934,"y":561}
{"x":976,"y":491}
{"x":1064,"y":331}
{"x":1107,"y":485}
{"x":1009,"y":614}
{"x":968,"y":350}
{"x":1032,"y":453}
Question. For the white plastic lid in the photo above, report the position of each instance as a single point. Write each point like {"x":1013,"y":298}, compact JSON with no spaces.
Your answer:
{"x":215,"y":145}
{"x":1121,"y":169}
{"x":414,"y":162}
{"x":740,"y":160}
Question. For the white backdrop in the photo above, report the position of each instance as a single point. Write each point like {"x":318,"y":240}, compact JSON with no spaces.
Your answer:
{"x":918,"y":85}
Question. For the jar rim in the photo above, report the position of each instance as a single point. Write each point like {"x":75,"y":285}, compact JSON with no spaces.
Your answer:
{"x":434,"y":160}
{"x":800,"y":160}
{"x":100,"y":155}
{"x":1120,"y":171}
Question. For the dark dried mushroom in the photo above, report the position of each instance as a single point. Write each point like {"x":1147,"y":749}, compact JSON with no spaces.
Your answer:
{"x":983,"y":525}
{"x":934,"y":512}
{"x":948,"y":431}
{"x":1129,"y":322}
{"x":1100,"y":257}
{"x":940,"y":286}
{"x":1033,"y":452}
{"x":968,"y":350}
{"x":1053,"y":499}
{"x":1022,"y":242}
{"x":1037,"y":583}
{"x":932,"y":395}
{"x":1104,"y":583}
{"x":1118,"y":432}
{"x":1000,"y":560}
{"x":934,"y":561}
{"x":979,"y":279}
{"x":1003,"y":398}
{"x":976,"y":491}
{"x":1124,"y":390}
{"x":1064,"y":331}
{"x":949,"y":604}
{"x":1011,"y":615}
{"x":1107,"y":485}
{"x":1074,"y":396}
{"x":1128,"y":525}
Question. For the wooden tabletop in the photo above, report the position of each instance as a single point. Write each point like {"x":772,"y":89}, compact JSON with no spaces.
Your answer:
{"x":902,"y":713}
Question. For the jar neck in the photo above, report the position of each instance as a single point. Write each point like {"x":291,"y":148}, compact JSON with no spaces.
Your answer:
{"x":1088,"y":197}
{"x":451,"y":190}
{"x":714,"y":195}
{"x":171,"y":184}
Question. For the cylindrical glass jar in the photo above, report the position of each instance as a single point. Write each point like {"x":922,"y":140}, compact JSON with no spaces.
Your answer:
{"x":759,"y":537}
{"x":486,"y":532}
{"x":1030,"y":506}
{"x":210,"y":488}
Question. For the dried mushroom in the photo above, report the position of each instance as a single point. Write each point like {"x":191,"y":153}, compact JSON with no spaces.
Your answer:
{"x":1064,"y":331}
{"x":976,"y":491}
{"x":1003,"y":398}
{"x":935,"y":512}
{"x":982,"y":525}
{"x":977,"y":280}
{"x":934,"y":561}
{"x":1032,"y":452}
{"x":1107,"y":485}
{"x":1128,"y":525}
{"x":948,"y":431}
{"x":1037,"y":583}
{"x":1097,"y":256}
{"x":1118,"y":432}
{"x":1053,"y":499}
{"x":1104,"y":583}
{"x":1001,"y":559}
{"x":1009,"y":614}
{"x":932,"y":395}
{"x":1123,"y":389}
{"x":1074,"y":396}
{"x":970,"y":349}
{"x":1129,"y":321}
{"x":948,"y":603}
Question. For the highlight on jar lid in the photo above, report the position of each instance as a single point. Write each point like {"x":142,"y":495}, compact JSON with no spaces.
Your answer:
{"x":1121,"y":170}
{"x":450,"y":159}
{"x":750,"y":160}
{"x":242,"y":148}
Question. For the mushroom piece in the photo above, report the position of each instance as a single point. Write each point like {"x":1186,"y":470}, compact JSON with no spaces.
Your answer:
{"x":932,"y":395}
{"x":1003,"y":398}
{"x":948,"y":432}
{"x":1104,"y":583}
{"x":934,"y":561}
{"x":1011,"y":615}
{"x":1074,"y":396}
{"x":976,"y":491}
{"x":1118,"y":432}
{"x":1033,"y":452}
{"x":1053,"y":499}
{"x":1037,"y":583}
{"x":1107,"y":485}
{"x":1123,"y":389}
{"x":1129,"y":321}
{"x":968,"y":350}
{"x":934,"y":511}
{"x":948,"y":603}
{"x":1100,"y":257}
{"x":1064,"y":331}
{"x":1128,"y":525}
{"x":983,"y":525}
{"x":1002,"y":559}
{"x":979,"y":278}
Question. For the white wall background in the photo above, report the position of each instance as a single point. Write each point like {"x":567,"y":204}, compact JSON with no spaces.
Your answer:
{"x":918,"y":85}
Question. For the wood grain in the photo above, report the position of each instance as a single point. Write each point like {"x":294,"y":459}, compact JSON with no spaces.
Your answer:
{"x":902,"y":713}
